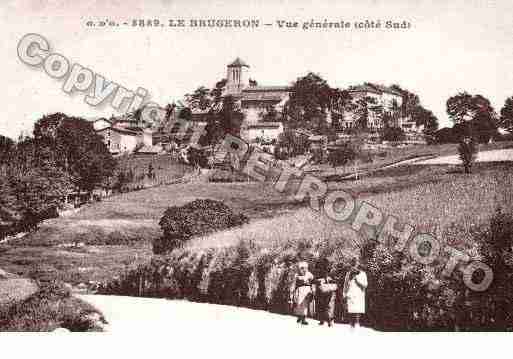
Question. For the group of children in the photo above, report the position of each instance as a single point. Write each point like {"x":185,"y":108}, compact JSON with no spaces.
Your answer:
{"x":322,"y":291}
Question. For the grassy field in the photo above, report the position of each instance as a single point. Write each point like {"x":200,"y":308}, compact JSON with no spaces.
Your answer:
{"x":253,"y":265}
{"x":106,"y":238}
{"x":432,"y":198}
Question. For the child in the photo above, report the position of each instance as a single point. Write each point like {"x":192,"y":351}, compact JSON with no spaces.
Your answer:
{"x":301,"y":293}
{"x":355,"y":285}
{"x":325,"y":291}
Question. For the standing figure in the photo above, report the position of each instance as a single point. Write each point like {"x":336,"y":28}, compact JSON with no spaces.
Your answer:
{"x":355,"y":284}
{"x":325,"y":292}
{"x":301,"y":293}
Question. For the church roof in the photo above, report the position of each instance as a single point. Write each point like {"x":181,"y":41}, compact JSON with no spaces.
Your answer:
{"x":262,"y":96}
{"x":265,"y":93}
{"x":267,"y":89}
{"x":374,"y":88}
{"x":238,"y":63}
{"x":258,"y":125}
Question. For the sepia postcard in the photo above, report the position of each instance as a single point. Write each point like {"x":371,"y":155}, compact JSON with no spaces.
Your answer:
{"x":305,"y":173}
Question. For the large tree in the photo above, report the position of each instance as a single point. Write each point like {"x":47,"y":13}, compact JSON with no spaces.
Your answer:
{"x":362,"y":111}
{"x":230,"y":117}
{"x":506,"y":119}
{"x":413,"y":109}
{"x":310,"y":98}
{"x":211,"y":102}
{"x":475,"y":113}
{"x":427,"y":119}
{"x":200,"y":99}
{"x":73,"y":145}
{"x":30,"y":190}
{"x":6,"y":147}
{"x":341,"y":102}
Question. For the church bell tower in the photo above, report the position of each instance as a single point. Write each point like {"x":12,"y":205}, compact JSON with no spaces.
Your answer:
{"x":237,"y":76}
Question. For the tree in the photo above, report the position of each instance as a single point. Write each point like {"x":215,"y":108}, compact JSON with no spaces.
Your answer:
{"x":310,"y":98}
{"x":211,"y":102}
{"x":506,"y":119}
{"x":230,"y":117}
{"x":477,"y":112}
{"x":29,"y":194}
{"x":341,"y":102}
{"x":6,"y":147}
{"x":342,"y":155}
{"x":292,"y":143}
{"x":185,"y":114}
{"x":467,"y":150}
{"x":410,"y":103}
{"x":461,"y":107}
{"x":362,"y":109}
{"x":197,"y":157}
{"x":200,"y":99}
{"x":445,"y":135}
{"x":426,"y":118}
{"x":269,"y":114}
{"x":73,"y":146}
{"x":412,"y":108}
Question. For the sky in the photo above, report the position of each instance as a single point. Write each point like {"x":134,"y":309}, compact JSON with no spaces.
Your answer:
{"x":452,"y":46}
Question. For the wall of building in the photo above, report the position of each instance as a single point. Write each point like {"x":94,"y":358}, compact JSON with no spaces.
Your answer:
{"x":118,"y":142}
{"x":267,"y":133}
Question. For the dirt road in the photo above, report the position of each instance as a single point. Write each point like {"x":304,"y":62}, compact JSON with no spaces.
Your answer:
{"x":177,"y":317}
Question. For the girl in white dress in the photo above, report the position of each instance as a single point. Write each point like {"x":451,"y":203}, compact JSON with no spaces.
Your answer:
{"x":355,"y":285}
{"x":301,"y":292}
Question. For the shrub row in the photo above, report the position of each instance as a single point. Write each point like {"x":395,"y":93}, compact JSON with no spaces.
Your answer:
{"x":401,"y":296}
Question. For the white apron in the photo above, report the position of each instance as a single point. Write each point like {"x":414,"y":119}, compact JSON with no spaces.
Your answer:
{"x":355,"y":293}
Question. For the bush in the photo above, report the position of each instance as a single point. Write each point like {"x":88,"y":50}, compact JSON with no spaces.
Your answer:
{"x":51,"y":307}
{"x":342,"y":155}
{"x":196,"y":218}
{"x":410,"y":297}
{"x":228,"y":176}
{"x":392,"y":134}
{"x":197,"y":157}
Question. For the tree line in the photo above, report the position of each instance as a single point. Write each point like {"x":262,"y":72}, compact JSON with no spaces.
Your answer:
{"x":63,"y":155}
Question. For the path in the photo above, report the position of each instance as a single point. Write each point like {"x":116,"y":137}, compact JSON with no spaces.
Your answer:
{"x":135,"y":314}
{"x":483,"y":156}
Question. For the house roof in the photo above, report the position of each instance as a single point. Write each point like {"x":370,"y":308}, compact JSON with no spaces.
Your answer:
{"x":265,"y":125}
{"x":374,"y":88}
{"x":262,"y":96}
{"x":238,"y":63}
{"x":267,"y":88}
{"x":316,"y":138}
{"x":303,"y":132}
{"x":150,"y":149}
{"x":120,"y":130}
{"x":265,"y":93}
{"x":102,"y":119}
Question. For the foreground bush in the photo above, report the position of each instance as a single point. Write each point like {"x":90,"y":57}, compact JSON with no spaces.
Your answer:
{"x":50,"y":308}
{"x":196,"y":218}
{"x":407,"y":296}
